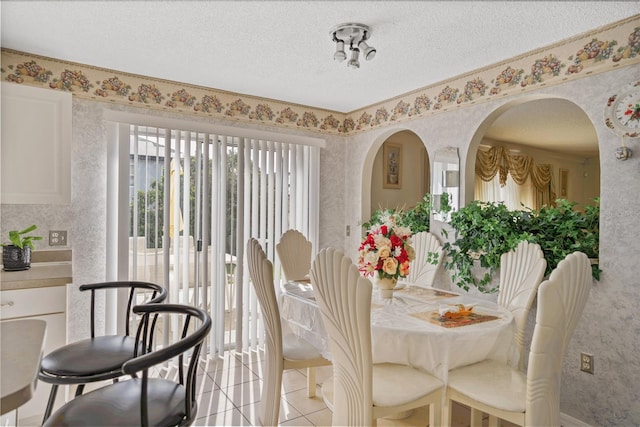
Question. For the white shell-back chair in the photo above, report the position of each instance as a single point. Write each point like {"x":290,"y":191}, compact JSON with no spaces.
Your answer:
{"x":360,"y":392}
{"x":521,"y":272}
{"x":422,"y":270}
{"x":281,"y":353}
{"x":532,"y":398}
{"x":294,"y":251}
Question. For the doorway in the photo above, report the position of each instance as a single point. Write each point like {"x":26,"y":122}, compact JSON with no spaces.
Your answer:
{"x":551,"y":131}
{"x":400,"y":173}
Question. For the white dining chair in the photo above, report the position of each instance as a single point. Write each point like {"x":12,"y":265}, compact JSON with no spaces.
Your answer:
{"x":294,"y":251}
{"x":281,"y":352}
{"x":360,"y":392}
{"x":532,"y":398}
{"x":521,"y":271}
{"x":429,"y":255}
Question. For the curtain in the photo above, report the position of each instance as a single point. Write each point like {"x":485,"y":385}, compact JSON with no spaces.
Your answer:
{"x":499,"y":162}
{"x":513,"y":196}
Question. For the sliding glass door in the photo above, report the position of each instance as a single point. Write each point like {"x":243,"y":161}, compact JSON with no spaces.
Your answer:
{"x":194,"y":200}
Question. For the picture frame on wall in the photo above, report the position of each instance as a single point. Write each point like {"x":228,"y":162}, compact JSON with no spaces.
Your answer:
{"x":563,"y":175}
{"x":392,"y":165}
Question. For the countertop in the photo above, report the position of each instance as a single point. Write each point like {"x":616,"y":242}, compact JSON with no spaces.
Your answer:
{"x":48,"y":268}
{"x":22,"y":344}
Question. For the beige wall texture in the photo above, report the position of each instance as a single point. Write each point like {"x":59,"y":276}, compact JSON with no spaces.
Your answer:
{"x":610,"y":325}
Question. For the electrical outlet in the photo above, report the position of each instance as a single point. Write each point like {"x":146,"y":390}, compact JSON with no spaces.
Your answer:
{"x":586,"y":362}
{"x":348,"y":231}
{"x":57,"y":238}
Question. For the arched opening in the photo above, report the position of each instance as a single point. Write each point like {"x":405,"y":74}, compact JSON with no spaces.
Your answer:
{"x":399,"y":174}
{"x":547,"y":131}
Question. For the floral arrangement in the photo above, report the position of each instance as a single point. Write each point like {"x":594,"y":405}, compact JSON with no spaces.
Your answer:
{"x":387,"y":249}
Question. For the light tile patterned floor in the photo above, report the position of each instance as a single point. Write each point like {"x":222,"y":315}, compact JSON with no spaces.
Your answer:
{"x":230,"y":389}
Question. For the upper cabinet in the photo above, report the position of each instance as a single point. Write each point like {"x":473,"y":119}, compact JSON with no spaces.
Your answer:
{"x":36,"y":145}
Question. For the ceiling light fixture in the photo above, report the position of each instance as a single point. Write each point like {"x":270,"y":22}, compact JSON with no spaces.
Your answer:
{"x":355,"y":36}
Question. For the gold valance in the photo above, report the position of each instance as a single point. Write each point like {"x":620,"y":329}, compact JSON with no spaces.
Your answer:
{"x":498,"y":160}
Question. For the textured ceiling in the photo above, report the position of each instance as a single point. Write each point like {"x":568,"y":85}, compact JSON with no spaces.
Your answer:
{"x":282,"y":49}
{"x":550,"y":124}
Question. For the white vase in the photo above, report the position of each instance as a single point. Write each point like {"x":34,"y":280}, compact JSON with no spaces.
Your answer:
{"x":385,"y":286}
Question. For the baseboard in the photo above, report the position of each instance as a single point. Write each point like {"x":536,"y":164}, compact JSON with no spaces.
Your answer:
{"x":569,"y":421}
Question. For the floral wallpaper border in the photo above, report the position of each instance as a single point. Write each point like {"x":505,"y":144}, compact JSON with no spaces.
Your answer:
{"x":601,"y":50}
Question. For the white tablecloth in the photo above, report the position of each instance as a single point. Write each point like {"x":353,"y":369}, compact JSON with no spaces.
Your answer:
{"x":399,"y":337}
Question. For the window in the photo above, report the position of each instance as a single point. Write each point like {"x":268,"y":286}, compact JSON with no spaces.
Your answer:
{"x":507,"y":176}
{"x":196,"y":198}
{"x":512,"y":195}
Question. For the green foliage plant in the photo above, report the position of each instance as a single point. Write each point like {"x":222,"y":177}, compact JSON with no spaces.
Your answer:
{"x":445,"y":203}
{"x":417,"y":218}
{"x":562,"y":229}
{"x":485,"y":230}
{"x":20,"y":239}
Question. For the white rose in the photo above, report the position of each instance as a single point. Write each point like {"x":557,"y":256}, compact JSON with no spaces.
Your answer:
{"x":371,"y":258}
{"x":381,"y":241}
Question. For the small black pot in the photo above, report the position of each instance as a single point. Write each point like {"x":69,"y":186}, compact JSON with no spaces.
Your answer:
{"x":16,"y":259}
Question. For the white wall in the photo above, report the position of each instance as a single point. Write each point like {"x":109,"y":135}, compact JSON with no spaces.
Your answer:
{"x":610,"y":325}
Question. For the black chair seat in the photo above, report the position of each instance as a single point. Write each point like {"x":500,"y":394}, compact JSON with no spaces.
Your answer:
{"x":119,"y":405}
{"x":98,"y":358}
{"x":103,"y":355}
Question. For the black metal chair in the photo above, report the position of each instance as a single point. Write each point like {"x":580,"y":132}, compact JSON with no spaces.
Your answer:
{"x":97,"y":358}
{"x":141,"y":400}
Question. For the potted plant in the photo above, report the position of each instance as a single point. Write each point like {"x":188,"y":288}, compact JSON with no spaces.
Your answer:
{"x":16,"y":254}
{"x":485,"y":230}
{"x":417,"y":218}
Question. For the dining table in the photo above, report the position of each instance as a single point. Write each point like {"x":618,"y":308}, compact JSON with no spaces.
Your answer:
{"x":409,"y":328}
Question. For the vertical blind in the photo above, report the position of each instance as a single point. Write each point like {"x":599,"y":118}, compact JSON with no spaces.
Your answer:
{"x":196,"y":198}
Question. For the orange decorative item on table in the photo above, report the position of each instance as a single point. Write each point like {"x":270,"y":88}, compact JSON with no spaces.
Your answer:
{"x":462,"y":311}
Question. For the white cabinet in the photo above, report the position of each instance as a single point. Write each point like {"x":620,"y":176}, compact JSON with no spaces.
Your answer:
{"x":48,"y":304}
{"x":36,"y":145}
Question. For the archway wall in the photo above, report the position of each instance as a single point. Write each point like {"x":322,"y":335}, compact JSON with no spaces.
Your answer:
{"x":583,"y":171}
{"x":614,"y":299}
{"x":414,"y":174}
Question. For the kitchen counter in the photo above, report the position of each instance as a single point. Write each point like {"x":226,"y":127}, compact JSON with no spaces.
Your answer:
{"x":48,"y":268}
{"x":33,"y":295}
{"x":22,"y":344}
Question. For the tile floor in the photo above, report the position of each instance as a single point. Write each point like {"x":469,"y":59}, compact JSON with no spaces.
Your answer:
{"x":229,"y":390}
{"x":230,"y":387}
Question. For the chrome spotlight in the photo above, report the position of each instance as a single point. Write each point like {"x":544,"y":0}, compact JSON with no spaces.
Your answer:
{"x":368,"y":52}
{"x":355,"y":36}
{"x":339,"y":55}
{"x":353,"y":62}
